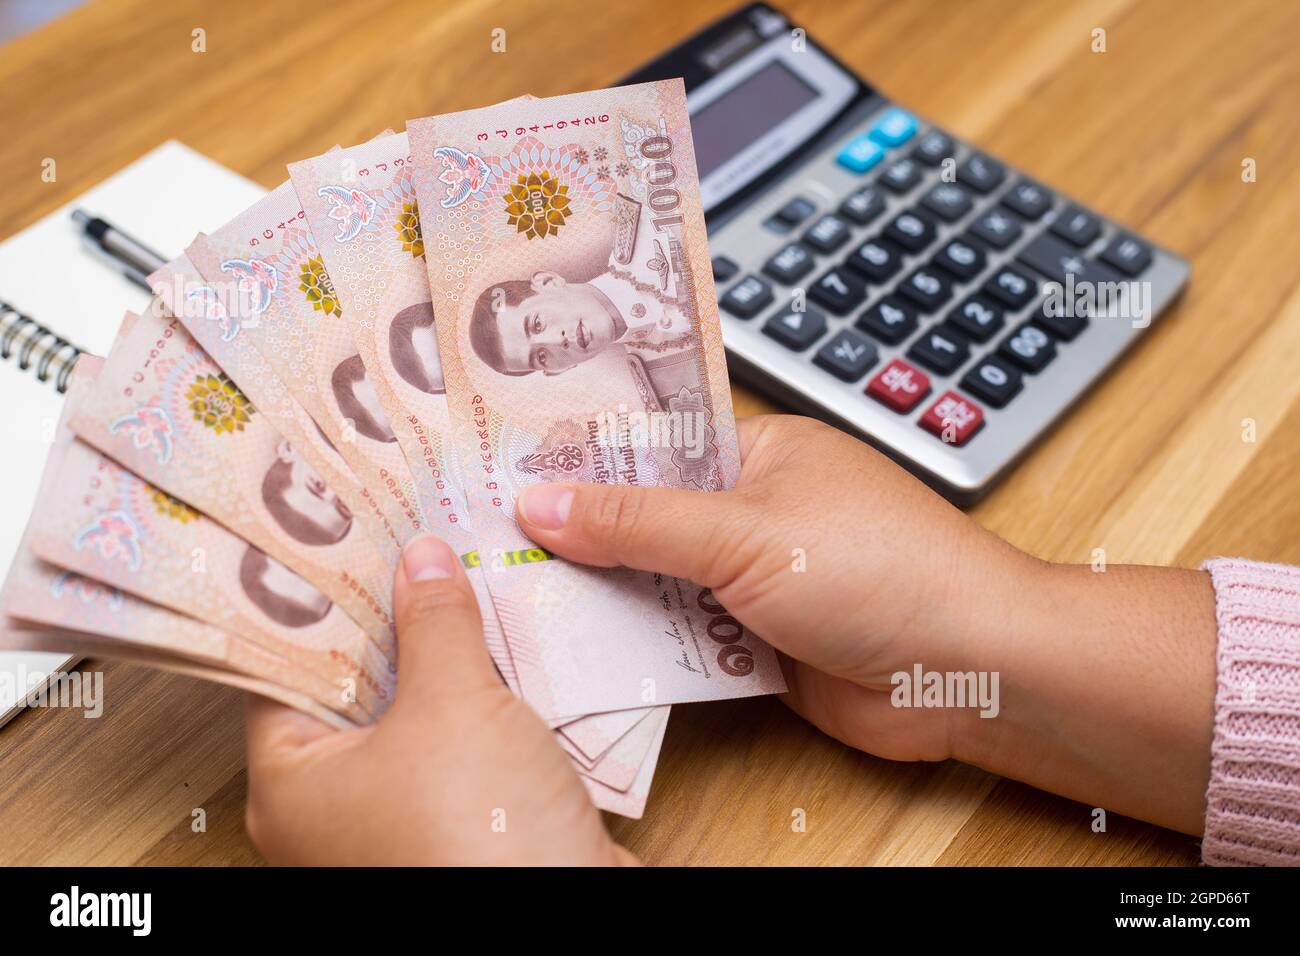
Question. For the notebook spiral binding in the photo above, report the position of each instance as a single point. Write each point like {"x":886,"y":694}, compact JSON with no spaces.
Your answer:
{"x":35,"y":343}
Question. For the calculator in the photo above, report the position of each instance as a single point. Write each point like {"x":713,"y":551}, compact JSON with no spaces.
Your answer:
{"x":877,"y":272}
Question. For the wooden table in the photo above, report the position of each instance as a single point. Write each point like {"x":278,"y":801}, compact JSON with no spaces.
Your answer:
{"x":1152,"y":466}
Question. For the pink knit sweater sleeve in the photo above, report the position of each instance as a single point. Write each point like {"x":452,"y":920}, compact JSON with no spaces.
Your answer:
{"x":1253,"y":801}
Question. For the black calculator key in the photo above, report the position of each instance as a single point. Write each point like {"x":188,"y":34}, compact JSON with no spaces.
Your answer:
{"x":940,"y":350}
{"x":993,"y":380}
{"x":863,"y":205}
{"x":847,"y":355}
{"x":1077,"y":226}
{"x":827,"y":234}
{"x":997,"y":227}
{"x":1127,"y":253}
{"x":839,"y":290}
{"x":1012,"y":287}
{"x":981,"y":173}
{"x":790,"y":265}
{"x":1054,"y":259}
{"x":1028,"y":198}
{"x":978,"y":317}
{"x":877,"y":259}
{"x":911,"y":230}
{"x":724,"y":269}
{"x":927,"y":288}
{"x":890,"y":320}
{"x":933,"y":148}
{"x":962,"y":258}
{"x":901,"y":175}
{"x":748,"y":297}
{"x":1062,"y":319}
{"x":1029,"y":347}
{"x":791,"y":214}
{"x":796,"y":329}
{"x":947,"y":201}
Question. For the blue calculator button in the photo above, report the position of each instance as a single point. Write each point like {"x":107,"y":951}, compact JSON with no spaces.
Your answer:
{"x":895,"y":127}
{"x":860,"y":154}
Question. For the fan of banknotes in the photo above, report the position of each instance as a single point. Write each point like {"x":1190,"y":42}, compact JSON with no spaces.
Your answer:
{"x":399,"y":339}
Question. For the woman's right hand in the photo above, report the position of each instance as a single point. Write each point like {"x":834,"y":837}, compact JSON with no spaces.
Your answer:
{"x":856,"y":571}
{"x":829,"y":552}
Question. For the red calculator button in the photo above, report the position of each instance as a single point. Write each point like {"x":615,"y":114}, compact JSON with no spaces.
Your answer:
{"x":953,"y":419}
{"x":900,"y":386}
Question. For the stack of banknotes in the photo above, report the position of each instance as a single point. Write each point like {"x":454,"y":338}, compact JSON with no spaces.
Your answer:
{"x":397,"y":340}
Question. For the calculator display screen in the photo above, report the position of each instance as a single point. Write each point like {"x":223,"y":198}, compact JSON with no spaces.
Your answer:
{"x":743,"y":114}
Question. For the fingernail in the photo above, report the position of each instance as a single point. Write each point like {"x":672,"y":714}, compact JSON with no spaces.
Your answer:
{"x":546,"y":506}
{"x":427,"y":558}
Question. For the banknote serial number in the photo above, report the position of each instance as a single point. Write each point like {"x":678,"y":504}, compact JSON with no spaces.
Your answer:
{"x":595,"y":119}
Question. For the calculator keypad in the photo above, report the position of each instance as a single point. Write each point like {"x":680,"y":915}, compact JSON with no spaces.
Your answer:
{"x":921,"y":285}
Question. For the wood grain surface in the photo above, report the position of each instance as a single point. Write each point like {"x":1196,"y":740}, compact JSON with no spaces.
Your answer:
{"x":1151,"y":466}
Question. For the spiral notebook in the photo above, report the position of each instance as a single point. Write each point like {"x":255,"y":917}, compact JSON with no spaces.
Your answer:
{"x":58,"y":298}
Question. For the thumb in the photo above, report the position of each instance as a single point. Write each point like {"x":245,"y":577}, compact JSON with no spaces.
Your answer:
{"x":440,"y":644}
{"x":687,"y":534}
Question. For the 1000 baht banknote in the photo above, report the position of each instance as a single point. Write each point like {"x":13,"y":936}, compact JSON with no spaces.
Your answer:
{"x":579,"y":341}
{"x":166,"y":411}
{"x":272,"y":287}
{"x":105,"y":523}
{"x":181,"y":291}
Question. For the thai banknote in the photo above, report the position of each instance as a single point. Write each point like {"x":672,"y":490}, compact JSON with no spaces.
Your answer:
{"x":271,"y":286}
{"x":61,"y":611}
{"x":182,"y":292}
{"x":36,"y":591}
{"x":578,"y":337}
{"x":162,"y":408}
{"x":631,"y":801}
{"x":17,"y":635}
{"x":618,"y":766}
{"x":360,"y":202}
{"x":105,"y":523}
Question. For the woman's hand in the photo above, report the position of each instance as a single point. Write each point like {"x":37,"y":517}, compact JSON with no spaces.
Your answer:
{"x":856,"y":571}
{"x":458,"y":771}
{"x":829,"y":552}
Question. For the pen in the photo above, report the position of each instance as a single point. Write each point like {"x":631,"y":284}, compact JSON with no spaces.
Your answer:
{"x":132,"y":257}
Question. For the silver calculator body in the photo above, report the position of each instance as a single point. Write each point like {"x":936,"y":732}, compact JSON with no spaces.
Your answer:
{"x":878,"y":273}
